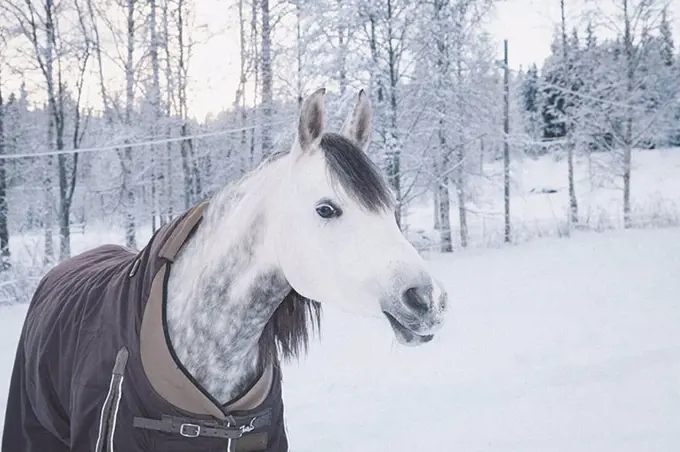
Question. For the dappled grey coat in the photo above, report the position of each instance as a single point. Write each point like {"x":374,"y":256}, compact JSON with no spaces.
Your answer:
{"x":94,"y":369}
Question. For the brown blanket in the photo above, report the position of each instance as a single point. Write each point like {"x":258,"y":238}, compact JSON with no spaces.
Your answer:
{"x":94,"y":370}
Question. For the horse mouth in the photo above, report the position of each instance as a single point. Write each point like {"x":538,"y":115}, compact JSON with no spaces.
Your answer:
{"x":405,"y":335}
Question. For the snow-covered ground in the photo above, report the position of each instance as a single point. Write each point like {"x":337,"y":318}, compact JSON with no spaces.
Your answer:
{"x":539,"y":197}
{"x":556,"y":345}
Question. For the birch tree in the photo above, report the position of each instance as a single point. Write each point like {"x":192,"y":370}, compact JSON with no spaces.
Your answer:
{"x":39,"y":24}
{"x":126,"y":156}
{"x":442,"y":161}
{"x":113,"y":113}
{"x":245,"y":72}
{"x":4,"y":211}
{"x":634,"y":23}
{"x":450,"y":73}
{"x":388,"y":24}
{"x":170,"y":101}
{"x":192,"y":177}
{"x":267,"y":77}
{"x":155,"y":100}
{"x":569,"y":124}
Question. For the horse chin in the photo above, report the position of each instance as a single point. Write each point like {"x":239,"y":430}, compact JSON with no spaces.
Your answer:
{"x":406,"y":336}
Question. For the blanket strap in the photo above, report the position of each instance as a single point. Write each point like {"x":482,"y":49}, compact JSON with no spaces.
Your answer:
{"x":192,"y":428}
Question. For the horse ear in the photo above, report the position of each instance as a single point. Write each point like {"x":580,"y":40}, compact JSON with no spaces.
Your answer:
{"x":310,"y":127}
{"x":357,"y":126}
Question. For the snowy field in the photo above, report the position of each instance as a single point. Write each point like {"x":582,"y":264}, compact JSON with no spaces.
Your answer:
{"x":539,"y":200}
{"x":556,"y":345}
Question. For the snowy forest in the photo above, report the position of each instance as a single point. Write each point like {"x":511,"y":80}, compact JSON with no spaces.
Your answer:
{"x":97,"y":130}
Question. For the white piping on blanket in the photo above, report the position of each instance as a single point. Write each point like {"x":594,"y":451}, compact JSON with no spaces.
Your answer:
{"x":115,"y":392}
{"x":97,"y":447}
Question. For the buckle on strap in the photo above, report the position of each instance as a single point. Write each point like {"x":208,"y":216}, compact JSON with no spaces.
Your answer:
{"x":193,"y":428}
{"x":190,"y":430}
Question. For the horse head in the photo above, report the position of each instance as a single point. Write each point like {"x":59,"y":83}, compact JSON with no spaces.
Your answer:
{"x":333,"y":230}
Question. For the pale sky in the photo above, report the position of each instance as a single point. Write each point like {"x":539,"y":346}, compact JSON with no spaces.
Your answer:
{"x":214,"y":64}
{"x":527,"y":24}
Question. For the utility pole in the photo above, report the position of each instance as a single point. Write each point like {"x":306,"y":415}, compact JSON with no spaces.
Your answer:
{"x":506,"y":144}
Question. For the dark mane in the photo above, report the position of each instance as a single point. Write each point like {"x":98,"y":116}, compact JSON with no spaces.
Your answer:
{"x":356,"y":173}
{"x":288,"y":331}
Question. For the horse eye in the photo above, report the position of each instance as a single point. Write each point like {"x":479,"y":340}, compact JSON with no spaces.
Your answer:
{"x":327,"y":211}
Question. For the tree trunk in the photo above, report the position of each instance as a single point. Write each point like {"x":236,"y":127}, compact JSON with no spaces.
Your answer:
{"x":256,"y":59}
{"x":71,"y":162}
{"x":442,"y":195}
{"x":77,"y":137}
{"x":195,"y":169}
{"x":377,"y":80}
{"x":64,"y":204}
{"x":342,"y":49}
{"x":267,"y":81}
{"x":569,"y":123}
{"x":573,"y":204}
{"x":376,"y":76}
{"x":460,"y":147}
{"x":49,"y":206}
{"x":63,"y":170}
{"x":393,"y":145}
{"x":189,"y":164}
{"x":126,"y":163}
{"x":435,"y":197}
{"x":298,"y":29}
{"x":157,"y":181}
{"x":628,"y":133}
{"x":186,"y":170}
{"x":169,"y":201}
{"x":506,"y":146}
{"x":444,"y":208}
{"x":4,"y":211}
{"x":240,"y":98}
{"x":128,"y":196}
{"x":460,"y":191}
{"x":195,"y":161}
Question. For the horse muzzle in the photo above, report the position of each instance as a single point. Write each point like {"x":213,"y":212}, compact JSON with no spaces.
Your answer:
{"x":417,"y":314}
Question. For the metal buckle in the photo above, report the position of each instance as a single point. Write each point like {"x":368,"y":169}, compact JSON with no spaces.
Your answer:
{"x":190,"y":430}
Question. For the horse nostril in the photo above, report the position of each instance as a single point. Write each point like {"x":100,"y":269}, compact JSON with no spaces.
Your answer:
{"x":418,"y":298}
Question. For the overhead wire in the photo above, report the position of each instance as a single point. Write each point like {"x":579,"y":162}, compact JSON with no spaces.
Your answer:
{"x":136,"y":144}
{"x":144,"y":143}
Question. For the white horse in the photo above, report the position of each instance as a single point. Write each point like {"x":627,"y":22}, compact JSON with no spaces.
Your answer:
{"x":316,"y":223}
{"x":177,"y":347}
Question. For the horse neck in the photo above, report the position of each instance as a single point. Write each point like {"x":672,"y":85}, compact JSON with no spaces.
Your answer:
{"x":223,"y":289}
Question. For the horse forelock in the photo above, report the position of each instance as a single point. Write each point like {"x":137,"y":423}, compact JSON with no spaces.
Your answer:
{"x":351,"y":168}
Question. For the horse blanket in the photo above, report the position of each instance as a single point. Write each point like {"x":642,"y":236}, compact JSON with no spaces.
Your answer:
{"x":95,"y":370}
